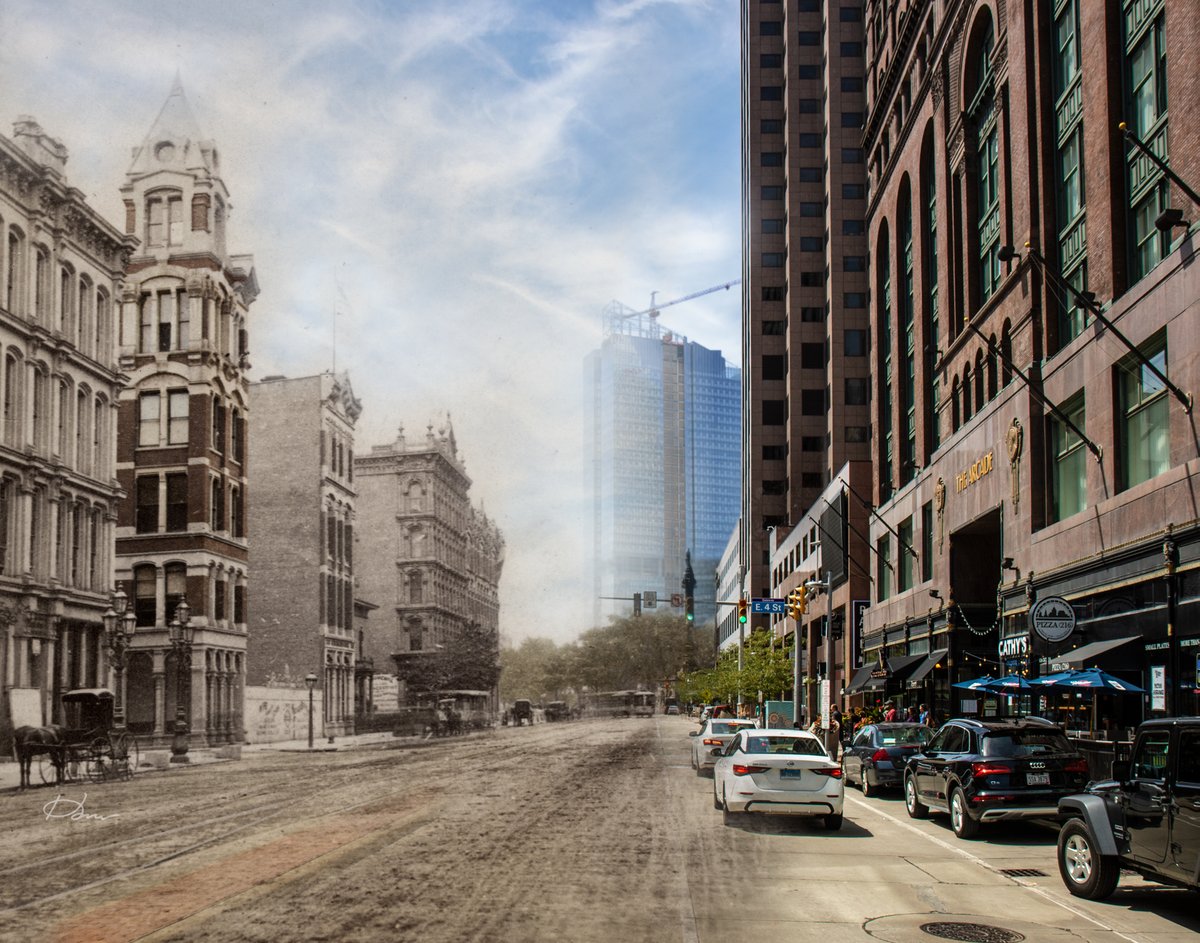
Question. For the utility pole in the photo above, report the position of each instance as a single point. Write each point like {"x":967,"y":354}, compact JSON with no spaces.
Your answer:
{"x":832,"y":749}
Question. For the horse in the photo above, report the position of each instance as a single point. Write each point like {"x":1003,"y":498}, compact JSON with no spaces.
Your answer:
{"x":29,"y":742}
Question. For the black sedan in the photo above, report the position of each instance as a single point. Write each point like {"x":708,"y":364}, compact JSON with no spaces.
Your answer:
{"x":992,"y":770}
{"x":878,"y":753}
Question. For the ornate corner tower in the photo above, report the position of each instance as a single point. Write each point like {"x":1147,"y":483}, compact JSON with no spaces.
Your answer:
{"x":182,"y":436}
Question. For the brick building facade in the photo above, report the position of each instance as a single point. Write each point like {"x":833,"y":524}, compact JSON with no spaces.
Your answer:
{"x":426,"y":556}
{"x":181,"y":442}
{"x":303,"y":522}
{"x":60,"y":272}
{"x":1047,"y":457}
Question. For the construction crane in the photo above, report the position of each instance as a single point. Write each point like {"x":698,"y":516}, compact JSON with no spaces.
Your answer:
{"x":654,"y":309}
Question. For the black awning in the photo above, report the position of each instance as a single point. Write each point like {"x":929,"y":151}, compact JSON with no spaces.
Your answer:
{"x":862,"y":677}
{"x":930,"y":662}
{"x":901,"y":667}
{"x":1080,"y":657}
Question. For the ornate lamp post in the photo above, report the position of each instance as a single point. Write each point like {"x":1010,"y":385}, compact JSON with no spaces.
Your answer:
{"x":119,"y":625}
{"x":311,"y":681}
{"x":181,"y":632}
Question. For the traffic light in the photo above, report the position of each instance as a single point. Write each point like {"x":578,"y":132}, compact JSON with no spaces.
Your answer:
{"x":798,"y":602}
{"x":690,"y":612}
{"x":743,"y":606}
{"x":637,"y":604}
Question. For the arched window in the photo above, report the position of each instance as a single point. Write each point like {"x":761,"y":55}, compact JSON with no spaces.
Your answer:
{"x":980,"y":399}
{"x":929,"y":272}
{"x":164,"y":218}
{"x":15,"y":272}
{"x":905,"y":316}
{"x":65,"y":319}
{"x":102,"y":339}
{"x":85,"y":324}
{"x":992,"y":380}
{"x":884,"y":326}
{"x":13,"y":386}
{"x":955,"y":418}
{"x":1006,"y":353}
{"x":984,"y":118}
{"x":966,"y":394}
{"x":41,"y":284}
{"x":175,"y":580}
{"x":81,"y":430}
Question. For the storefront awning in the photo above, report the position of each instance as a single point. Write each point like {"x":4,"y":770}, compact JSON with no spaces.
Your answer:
{"x":1081,"y":656}
{"x":861,"y":679}
{"x":927,"y":665}
{"x":902,"y":666}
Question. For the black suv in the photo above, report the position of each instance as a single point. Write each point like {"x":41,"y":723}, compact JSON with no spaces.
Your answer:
{"x":1146,"y":819}
{"x":990,"y":770}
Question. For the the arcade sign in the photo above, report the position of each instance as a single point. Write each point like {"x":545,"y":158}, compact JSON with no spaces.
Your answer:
{"x":974,"y":472}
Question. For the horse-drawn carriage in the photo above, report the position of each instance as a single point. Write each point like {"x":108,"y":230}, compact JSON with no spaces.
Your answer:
{"x":86,"y":747}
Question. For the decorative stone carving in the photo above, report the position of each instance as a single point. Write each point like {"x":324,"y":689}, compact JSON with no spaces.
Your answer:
{"x":1015,"y":439}
{"x":939,"y":506}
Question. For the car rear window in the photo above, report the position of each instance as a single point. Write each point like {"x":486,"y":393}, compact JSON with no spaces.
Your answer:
{"x":727,"y":727}
{"x":1024,"y":743}
{"x":802,"y":745}
{"x":900,"y":735}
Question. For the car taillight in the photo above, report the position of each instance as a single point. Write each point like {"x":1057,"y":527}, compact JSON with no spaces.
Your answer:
{"x":880,"y":755}
{"x":713,"y":742}
{"x":1077,"y":766}
{"x":834,"y":771}
{"x":990,"y":769}
{"x":739,"y":770}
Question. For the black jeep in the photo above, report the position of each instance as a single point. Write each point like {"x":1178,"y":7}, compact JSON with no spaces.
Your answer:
{"x":1146,"y":819}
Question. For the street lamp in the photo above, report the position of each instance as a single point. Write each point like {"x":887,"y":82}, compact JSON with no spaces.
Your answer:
{"x":119,"y":625}
{"x":311,"y":680}
{"x":181,"y":632}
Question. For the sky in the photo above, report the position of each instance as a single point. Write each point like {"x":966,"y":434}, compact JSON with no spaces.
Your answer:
{"x":440,"y":199}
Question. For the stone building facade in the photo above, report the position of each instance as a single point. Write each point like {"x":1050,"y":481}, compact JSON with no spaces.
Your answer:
{"x":303,"y":522}
{"x":181,"y":450}
{"x":429,"y":558}
{"x":60,"y":283}
{"x":1038,"y":309}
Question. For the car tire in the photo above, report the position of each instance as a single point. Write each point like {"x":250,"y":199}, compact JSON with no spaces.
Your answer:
{"x":717,"y":799}
{"x":960,"y":819}
{"x":833,"y":822}
{"x":912,"y":802}
{"x":867,"y":789}
{"x":1085,"y":872}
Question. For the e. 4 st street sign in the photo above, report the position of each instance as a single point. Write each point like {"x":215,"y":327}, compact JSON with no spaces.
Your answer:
{"x":768,"y":605}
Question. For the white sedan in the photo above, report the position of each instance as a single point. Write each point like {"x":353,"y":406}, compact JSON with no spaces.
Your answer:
{"x":715,"y":732}
{"x":778,"y":772}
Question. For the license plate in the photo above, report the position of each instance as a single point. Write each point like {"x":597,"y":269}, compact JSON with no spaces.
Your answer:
{"x":1037,"y":779}
{"x":791,"y":773}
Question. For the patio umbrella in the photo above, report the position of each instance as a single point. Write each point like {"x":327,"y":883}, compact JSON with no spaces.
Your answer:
{"x":978,"y":684}
{"x":1087,"y":679}
{"x":1010,"y":684}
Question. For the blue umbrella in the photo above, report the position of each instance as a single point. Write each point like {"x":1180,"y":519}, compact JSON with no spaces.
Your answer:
{"x":978,"y":684}
{"x":1087,"y":679}
{"x":1010,"y":684}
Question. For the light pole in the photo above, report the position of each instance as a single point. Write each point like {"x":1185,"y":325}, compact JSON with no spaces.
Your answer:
{"x":311,"y":680}
{"x":119,"y":625}
{"x":180,"y":629}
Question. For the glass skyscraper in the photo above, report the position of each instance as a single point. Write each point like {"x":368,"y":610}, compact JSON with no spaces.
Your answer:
{"x":663,"y":458}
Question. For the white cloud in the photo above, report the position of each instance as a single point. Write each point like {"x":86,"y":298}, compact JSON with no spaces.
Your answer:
{"x":481,"y":177}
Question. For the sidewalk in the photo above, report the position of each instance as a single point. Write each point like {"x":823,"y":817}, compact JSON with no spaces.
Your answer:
{"x":158,"y":759}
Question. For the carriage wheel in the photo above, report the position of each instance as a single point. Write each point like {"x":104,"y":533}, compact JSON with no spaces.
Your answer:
{"x":99,"y":761}
{"x":125,"y":754}
{"x":46,"y":769}
{"x":74,"y":768}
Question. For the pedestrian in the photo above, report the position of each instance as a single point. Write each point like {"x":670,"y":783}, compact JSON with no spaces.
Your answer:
{"x":910,"y":716}
{"x":923,"y":716}
{"x":889,"y":715}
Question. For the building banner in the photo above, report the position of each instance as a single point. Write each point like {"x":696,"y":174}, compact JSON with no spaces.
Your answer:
{"x":275,"y":714}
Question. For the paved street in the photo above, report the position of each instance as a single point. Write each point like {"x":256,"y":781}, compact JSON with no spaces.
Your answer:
{"x":587,"y":831}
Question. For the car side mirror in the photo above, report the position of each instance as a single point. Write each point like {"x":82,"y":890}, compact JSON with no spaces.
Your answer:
{"x":693,"y":733}
{"x":1120,"y":770}
{"x":716,"y":751}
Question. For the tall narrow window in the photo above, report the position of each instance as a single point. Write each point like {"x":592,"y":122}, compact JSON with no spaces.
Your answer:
{"x":13,"y":278}
{"x":41,"y":285}
{"x":929,"y":246}
{"x":883,"y":568}
{"x":1068,"y":476}
{"x":175,"y":579}
{"x":218,"y":505}
{"x":927,"y":541}
{"x":145,"y":594}
{"x":81,"y":430}
{"x":6,"y":491}
{"x":985,"y":118}
{"x":12,"y":388}
{"x":148,"y":419}
{"x":908,"y":378}
{"x":884,"y":316}
{"x":166,"y":320}
{"x":235,"y":512}
{"x":147,"y":316}
{"x":218,"y":425}
{"x":177,"y":417}
{"x":146,"y":515}
{"x":1068,"y":108}
{"x":177,"y":501}
{"x":1145,"y":418}
{"x":219,"y":604}
{"x":1146,"y":107}
{"x":904,"y":579}
{"x":40,"y":416}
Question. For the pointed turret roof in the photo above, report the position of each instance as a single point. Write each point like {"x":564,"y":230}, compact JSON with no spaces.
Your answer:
{"x":174,"y":140}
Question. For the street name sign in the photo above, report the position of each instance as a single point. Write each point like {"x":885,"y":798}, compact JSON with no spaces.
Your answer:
{"x":768,"y":605}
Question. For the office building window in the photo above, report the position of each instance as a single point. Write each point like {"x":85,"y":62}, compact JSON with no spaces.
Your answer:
{"x":858,"y":391}
{"x":812,"y":356}
{"x":772,"y":226}
{"x":855,"y":342}
{"x":772,"y":292}
{"x":858,"y":433}
{"x":1146,"y":106}
{"x":1068,"y":470}
{"x":774,"y":328}
{"x":772,"y":193}
{"x":774,"y":367}
{"x":773,"y":259}
{"x":774,"y":412}
{"x":177,"y":501}
{"x":904,"y":576}
{"x":1145,"y":433}
{"x":926,"y":541}
{"x":148,"y":419}
{"x":985,"y":116}
{"x":883,"y":568}
{"x":812,"y":402}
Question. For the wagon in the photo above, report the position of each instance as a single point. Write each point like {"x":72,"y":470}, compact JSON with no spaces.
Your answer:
{"x":90,"y":747}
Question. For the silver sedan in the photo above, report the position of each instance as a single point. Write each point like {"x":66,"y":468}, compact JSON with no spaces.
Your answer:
{"x":716,"y":732}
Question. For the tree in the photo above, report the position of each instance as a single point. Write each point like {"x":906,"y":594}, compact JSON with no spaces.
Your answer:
{"x":467,"y":661}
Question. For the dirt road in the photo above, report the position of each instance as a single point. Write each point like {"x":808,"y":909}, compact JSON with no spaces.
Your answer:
{"x":556,"y":832}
